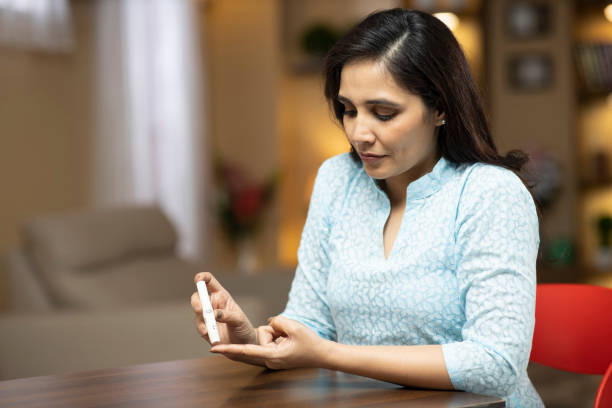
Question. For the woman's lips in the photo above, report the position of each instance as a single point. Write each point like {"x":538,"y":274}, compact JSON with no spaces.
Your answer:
{"x":371,"y":158}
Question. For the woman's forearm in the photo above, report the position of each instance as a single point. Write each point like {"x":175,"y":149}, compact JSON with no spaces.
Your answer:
{"x":416,"y":366}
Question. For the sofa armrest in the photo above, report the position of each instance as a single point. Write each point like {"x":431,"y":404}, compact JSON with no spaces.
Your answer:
{"x":25,"y":292}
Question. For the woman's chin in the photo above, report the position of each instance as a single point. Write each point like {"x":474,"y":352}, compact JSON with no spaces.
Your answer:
{"x":375,"y":173}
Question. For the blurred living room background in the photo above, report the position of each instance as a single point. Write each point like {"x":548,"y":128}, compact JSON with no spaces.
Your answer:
{"x":212,"y":111}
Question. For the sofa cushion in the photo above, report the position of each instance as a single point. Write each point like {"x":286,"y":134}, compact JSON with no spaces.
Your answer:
{"x":75,"y":340}
{"x":85,"y":238}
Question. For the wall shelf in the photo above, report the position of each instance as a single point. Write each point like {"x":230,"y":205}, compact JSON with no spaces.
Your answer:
{"x":588,"y":185}
{"x":592,"y":57}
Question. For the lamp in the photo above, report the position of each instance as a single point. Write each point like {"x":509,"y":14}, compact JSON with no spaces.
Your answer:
{"x":450,"y":19}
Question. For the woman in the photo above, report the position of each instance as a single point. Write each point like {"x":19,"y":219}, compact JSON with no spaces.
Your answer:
{"x":417,"y":259}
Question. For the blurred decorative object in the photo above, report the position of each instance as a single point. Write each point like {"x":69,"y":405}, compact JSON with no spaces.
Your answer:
{"x":450,"y":19}
{"x":247,"y":258}
{"x":603,"y":259}
{"x":608,"y":12}
{"x":604,"y":228}
{"x":36,"y":24}
{"x":545,"y":176}
{"x":318,"y":39}
{"x":603,"y":256}
{"x":240,"y":205}
{"x":527,"y":19}
{"x":593,"y":66}
{"x":530,"y":72}
{"x":315,"y":41}
{"x":560,"y":252}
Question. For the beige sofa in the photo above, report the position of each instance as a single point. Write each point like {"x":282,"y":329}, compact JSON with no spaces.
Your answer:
{"x":95,"y":259}
{"x":105,"y":288}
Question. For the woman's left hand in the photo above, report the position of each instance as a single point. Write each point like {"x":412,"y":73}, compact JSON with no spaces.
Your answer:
{"x":284,"y":343}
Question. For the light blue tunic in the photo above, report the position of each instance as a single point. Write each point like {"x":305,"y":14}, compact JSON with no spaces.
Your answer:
{"x":461,"y":272}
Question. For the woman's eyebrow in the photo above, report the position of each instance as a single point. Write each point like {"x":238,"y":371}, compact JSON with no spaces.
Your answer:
{"x":383,"y":101}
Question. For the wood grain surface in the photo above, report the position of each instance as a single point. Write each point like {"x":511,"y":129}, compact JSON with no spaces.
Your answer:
{"x":219,"y":382}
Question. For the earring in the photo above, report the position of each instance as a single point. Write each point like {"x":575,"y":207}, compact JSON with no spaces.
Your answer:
{"x":443,"y":122}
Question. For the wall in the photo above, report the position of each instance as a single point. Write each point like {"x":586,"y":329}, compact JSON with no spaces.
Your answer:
{"x":45,"y":127}
{"x":543,"y":119}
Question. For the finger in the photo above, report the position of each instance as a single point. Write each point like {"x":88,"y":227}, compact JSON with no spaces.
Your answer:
{"x":201,"y":328}
{"x":282,"y":325}
{"x":201,"y":276}
{"x":196,"y":305}
{"x":243,"y":359}
{"x":265,"y":335}
{"x":212,"y":284}
{"x":246,"y":350}
{"x":230,"y":317}
{"x":280,"y":339}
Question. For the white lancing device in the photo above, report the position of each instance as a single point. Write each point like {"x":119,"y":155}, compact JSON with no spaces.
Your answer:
{"x":208,"y":313}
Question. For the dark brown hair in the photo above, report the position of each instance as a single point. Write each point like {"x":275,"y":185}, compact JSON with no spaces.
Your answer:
{"x":424,"y":57}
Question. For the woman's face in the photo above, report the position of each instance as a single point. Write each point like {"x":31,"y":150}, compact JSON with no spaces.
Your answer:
{"x":390,"y":128}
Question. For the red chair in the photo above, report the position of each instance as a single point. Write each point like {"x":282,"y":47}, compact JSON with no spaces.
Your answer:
{"x":604,"y":395}
{"x":573,"y":332}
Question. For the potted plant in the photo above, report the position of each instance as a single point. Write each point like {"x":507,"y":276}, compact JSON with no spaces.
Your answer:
{"x":240,"y":203}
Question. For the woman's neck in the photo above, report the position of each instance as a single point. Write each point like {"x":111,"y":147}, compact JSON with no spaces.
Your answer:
{"x":395,"y":187}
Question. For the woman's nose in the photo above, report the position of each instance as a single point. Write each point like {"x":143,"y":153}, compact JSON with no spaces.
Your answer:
{"x":361,"y":132}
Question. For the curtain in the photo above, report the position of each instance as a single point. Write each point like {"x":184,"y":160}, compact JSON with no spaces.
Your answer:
{"x":149,"y":146}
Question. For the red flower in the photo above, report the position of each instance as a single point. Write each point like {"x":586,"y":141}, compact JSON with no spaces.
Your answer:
{"x":240,"y":201}
{"x":248,"y":203}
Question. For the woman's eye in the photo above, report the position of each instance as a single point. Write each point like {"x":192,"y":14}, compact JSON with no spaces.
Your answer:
{"x":384,"y":116}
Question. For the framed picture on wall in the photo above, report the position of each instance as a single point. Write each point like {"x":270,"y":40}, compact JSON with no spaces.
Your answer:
{"x":530,"y":72}
{"x":526,"y":19}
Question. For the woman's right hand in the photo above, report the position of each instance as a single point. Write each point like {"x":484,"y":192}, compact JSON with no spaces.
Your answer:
{"x":233,"y":325}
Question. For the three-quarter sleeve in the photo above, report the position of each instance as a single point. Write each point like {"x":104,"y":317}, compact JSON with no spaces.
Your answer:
{"x":496,"y":241}
{"x":308,"y":302}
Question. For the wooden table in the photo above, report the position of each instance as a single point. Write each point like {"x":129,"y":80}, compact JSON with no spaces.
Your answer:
{"x":219,"y":382}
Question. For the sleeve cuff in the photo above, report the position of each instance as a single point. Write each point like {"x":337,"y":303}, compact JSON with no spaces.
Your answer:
{"x":451,"y":353}
{"x":319,"y":330}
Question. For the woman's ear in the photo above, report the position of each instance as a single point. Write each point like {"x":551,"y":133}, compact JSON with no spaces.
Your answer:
{"x":439,"y":118}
